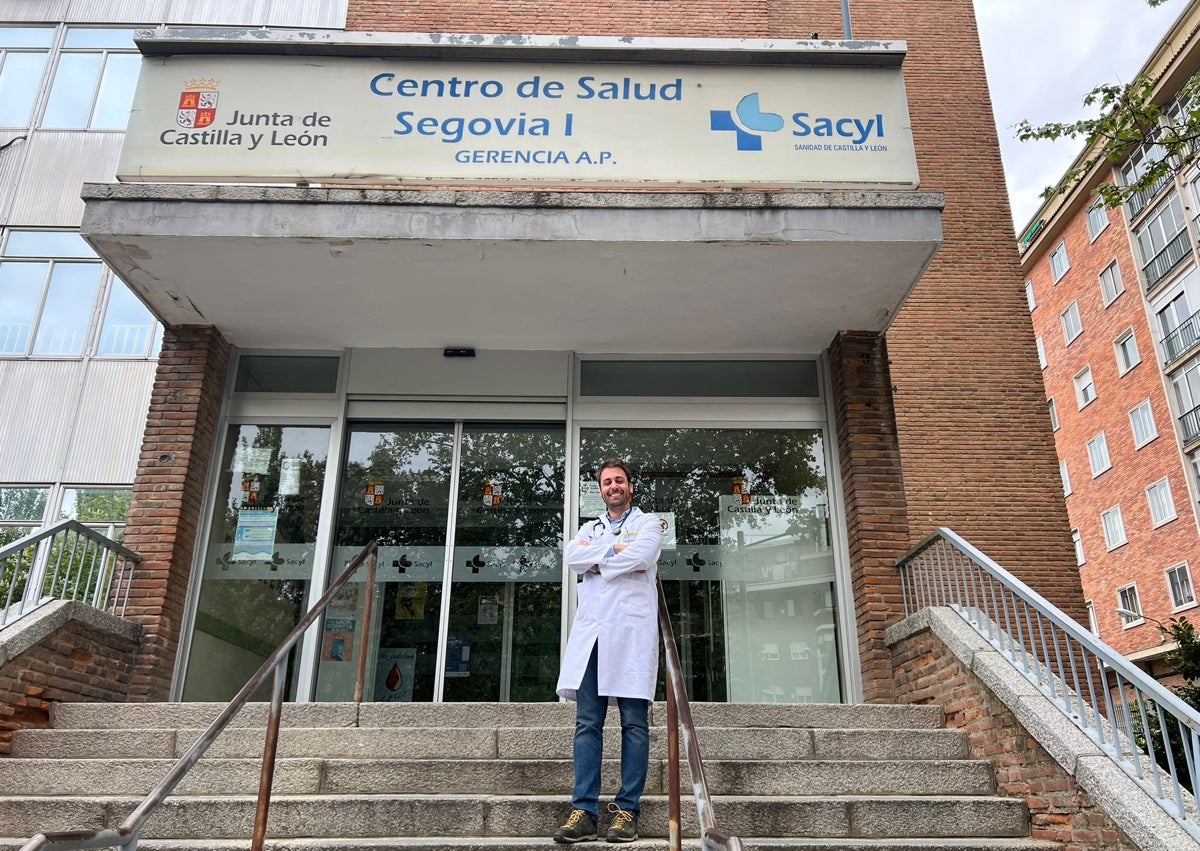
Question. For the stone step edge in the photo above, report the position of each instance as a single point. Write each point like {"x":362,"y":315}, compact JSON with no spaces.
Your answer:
{"x":567,"y":727}
{"x":516,"y":843}
{"x":179,"y":799}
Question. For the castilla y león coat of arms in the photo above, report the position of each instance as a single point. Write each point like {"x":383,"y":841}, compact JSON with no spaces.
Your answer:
{"x":198,"y":104}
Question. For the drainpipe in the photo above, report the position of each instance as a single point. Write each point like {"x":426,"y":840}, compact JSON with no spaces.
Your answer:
{"x":847,"y":30}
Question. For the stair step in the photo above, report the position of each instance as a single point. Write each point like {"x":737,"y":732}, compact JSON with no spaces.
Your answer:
{"x":76,"y":777}
{"x":494,"y":815}
{"x":100,"y":716}
{"x":716,"y":743}
{"x":521,"y":843}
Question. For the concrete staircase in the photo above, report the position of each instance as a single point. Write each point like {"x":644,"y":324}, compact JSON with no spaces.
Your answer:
{"x":470,"y":777}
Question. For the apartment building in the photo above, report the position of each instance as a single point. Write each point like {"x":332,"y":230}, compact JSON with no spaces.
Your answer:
{"x":1114,"y":298}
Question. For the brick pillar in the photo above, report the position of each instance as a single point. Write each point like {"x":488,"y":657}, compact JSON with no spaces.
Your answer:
{"x":168,"y":494}
{"x":873,"y":486}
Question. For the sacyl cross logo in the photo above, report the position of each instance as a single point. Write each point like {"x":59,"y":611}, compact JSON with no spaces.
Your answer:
{"x":749,"y":117}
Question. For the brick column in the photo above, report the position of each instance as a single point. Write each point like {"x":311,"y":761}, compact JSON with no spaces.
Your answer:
{"x":873,"y":486}
{"x":168,"y":494}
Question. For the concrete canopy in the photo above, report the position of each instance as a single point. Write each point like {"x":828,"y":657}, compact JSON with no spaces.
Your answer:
{"x":734,"y":272}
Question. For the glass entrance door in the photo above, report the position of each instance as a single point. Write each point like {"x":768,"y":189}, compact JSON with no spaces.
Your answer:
{"x":468,"y":598}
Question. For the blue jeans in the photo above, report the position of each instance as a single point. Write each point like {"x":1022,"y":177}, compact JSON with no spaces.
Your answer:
{"x":590,"y":709}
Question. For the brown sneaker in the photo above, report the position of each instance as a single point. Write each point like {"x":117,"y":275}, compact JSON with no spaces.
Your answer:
{"x":624,"y":826}
{"x":579,"y":827}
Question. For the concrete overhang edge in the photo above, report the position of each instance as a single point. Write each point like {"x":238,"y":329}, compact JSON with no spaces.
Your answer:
{"x":173,"y":40}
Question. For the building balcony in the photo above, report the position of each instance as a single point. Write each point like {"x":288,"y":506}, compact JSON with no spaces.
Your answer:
{"x":1139,"y":201}
{"x":1189,"y":427}
{"x":1182,"y":340}
{"x":1170,"y":256}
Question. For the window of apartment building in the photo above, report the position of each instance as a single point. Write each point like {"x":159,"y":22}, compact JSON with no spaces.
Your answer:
{"x":1041,"y":350}
{"x":1077,"y":540}
{"x":1162,"y":504}
{"x":1111,"y":284}
{"x":1093,"y":624}
{"x":1053,"y":414}
{"x":1128,"y":601}
{"x":1139,"y":163}
{"x":1066,"y":477}
{"x":1097,"y":219}
{"x":1059,"y":264}
{"x":1114,"y":528}
{"x":94,"y":80}
{"x":1085,"y":388}
{"x":58,"y":300}
{"x":1127,"y":352}
{"x":24,"y":53}
{"x":1174,"y":313}
{"x":1162,"y":239}
{"x":1098,"y":454}
{"x":1179,"y":581}
{"x":1141,"y":419}
{"x":1072,"y":325}
{"x":1029,"y":298}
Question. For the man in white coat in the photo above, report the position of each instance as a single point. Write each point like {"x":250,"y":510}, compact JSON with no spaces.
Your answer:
{"x":612,"y":653}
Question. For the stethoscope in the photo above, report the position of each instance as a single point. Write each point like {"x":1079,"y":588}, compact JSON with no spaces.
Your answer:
{"x":599,"y":526}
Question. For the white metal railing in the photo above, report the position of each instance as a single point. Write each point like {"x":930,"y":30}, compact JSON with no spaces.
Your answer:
{"x":1146,"y":729}
{"x":65,"y":561}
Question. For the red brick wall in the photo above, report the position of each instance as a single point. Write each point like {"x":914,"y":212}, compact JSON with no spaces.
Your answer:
{"x":873,"y":494}
{"x":168,"y":494}
{"x":74,"y":663}
{"x":1059,"y":811}
{"x":1150,"y":550}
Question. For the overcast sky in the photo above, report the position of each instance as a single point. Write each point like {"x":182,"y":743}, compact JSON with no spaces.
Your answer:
{"x":1042,"y":57}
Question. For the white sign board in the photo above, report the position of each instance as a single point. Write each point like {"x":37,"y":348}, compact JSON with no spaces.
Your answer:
{"x":334,"y":119}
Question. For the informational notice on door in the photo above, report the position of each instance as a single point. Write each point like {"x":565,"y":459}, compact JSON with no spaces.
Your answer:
{"x":394,"y":671}
{"x":254,"y":536}
{"x":591,"y":503}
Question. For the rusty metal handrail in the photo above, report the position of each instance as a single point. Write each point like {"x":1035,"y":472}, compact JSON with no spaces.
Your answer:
{"x":679,"y":716}
{"x":126,"y":836}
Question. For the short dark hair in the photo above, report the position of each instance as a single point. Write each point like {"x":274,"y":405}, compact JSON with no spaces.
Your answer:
{"x":609,"y":463}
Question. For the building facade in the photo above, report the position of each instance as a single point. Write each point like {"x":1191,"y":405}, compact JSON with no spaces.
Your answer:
{"x":1112,"y":294}
{"x":424,"y":322}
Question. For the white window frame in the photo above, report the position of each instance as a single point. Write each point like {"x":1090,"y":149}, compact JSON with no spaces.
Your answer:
{"x":1066,"y":477}
{"x":1072,"y":323}
{"x":1176,"y":605}
{"x":1118,"y":283}
{"x":1030,"y":299}
{"x":1093,"y":624}
{"x":1041,"y":352}
{"x":1098,"y":456}
{"x":1145,"y":414}
{"x":1077,"y":540}
{"x":1128,"y":356}
{"x":1085,"y":398}
{"x":1113,"y":524}
{"x":1060,"y":264}
{"x":1097,"y":220}
{"x":1163,"y":488}
{"x":1054,"y":424}
{"x":1123,"y":602}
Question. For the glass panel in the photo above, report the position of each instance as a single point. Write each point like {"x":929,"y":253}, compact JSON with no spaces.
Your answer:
{"x":116,"y":91}
{"x":20,"y":77}
{"x":395,"y":488}
{"x":127,"y":324}
{"x":99,"y":37}
{"x":506,"y":597}
{"x":286,"y":374}
{"x":698,"y":378}
{"x":21,"y":286}
{"x":96,"y":505}
{"x":74,"y":85}
{"x":23,"y":503}
{"x":47,"y":243}
{"x":260,"y":556}
{"x":64,"y":321}
{"x":747,"y":564}
{"x":26,"y":36}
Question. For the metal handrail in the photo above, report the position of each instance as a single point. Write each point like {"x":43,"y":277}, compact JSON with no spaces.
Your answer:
{"x":679,"y":716}
{"x":126,"y":836}
{"x":50,"y":564}
{"x":1189,"y":422}
{"x":1180,"y":341}
{"x":1167,"y":258}
{"x":1147,"y":730}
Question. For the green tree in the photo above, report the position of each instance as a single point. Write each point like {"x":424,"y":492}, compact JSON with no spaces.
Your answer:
{"x":1129,"y":118}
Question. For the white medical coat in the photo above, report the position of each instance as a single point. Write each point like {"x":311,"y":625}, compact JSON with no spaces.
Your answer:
{"x":618,"y":608}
